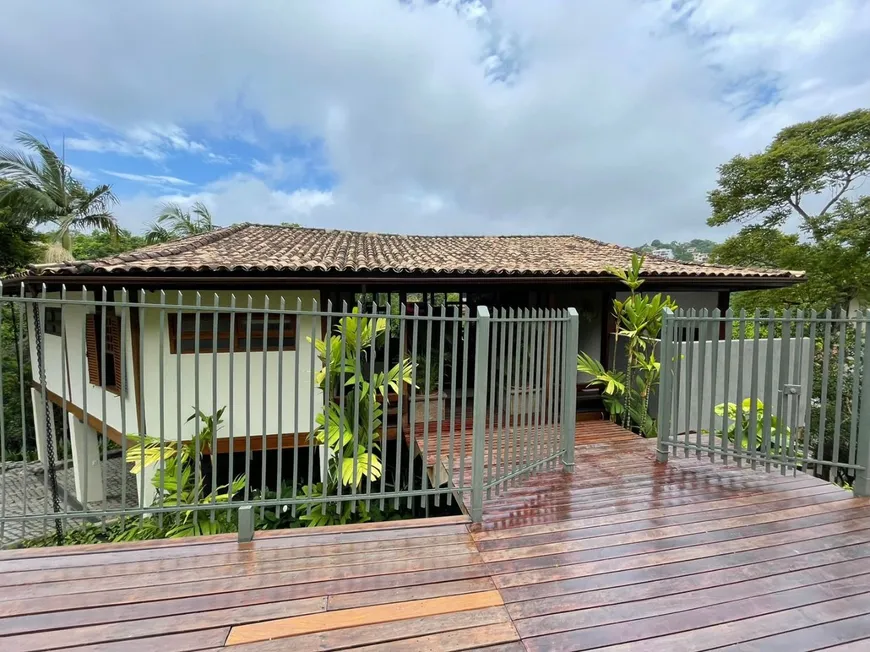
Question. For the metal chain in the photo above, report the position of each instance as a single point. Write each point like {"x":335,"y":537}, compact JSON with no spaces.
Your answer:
{"x":49,"y":434}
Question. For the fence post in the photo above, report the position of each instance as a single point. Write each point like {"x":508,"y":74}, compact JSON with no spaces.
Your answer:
{"x":478,"y":441}
{"x":664,"y":399}
{"x":569,"y":409}
{"x":861,"y":486}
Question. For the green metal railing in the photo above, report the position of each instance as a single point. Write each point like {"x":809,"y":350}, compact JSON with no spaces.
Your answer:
{"x":787,"y":392}
{"x":94,"y":368}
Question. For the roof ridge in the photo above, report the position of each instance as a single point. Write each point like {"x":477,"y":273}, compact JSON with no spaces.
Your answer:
{"x":422,"y":235}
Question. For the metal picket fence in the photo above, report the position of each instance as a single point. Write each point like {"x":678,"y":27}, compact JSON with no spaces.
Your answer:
{"x":239,"y":406}
{"x":787,"y":392}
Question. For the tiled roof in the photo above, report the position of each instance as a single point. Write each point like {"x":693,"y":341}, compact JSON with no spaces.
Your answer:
{"x":261,"y":248}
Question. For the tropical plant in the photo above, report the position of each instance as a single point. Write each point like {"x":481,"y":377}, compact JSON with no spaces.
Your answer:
{"x":351,"y":435}
{"x":626,"y":394}
{"x":779,"y":439}
{"x":41,"y":190}
{"x":174,"y":223}
{"x":178,"y":484}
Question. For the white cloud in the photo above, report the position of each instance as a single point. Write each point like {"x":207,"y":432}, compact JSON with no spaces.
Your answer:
{"x":153,"y":179}
{"x":239,"y":198}
{"x":153,"y":142}
{"x":612,"y":121}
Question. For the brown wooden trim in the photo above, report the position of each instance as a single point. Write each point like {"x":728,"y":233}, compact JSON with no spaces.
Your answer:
{"x":252,"y":280}
{"x":723,"y":303}
{"x":238,"y":337}
{"x":223,"y":443}
{"x":78,"y":413}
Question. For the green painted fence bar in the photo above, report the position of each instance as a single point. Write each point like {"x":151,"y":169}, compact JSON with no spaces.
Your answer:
{"x":798,"y":385}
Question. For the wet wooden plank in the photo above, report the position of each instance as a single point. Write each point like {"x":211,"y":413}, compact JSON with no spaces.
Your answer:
{"x":186,"y":642}
{"x":711,"y":627}
{"x":849,"y":631}
{"x":813,"y":544}
{"x":233,"y":586}
{"x":132,"y":630}
{"x":472,"y":638}
{"x":608,"y":611}
{"x":403,"y":594}
{"x":339,"y":639}
{"x":363,"y":615}
{"x":556,"y":566}
{"x":735,"y":576}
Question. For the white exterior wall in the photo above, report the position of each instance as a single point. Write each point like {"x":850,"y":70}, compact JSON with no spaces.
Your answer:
{"x":685,"y":300}
{"x":179,"y":400}
{"x":79,"y":390}
{"x":252,"y":398}
{"x":707,"y":390}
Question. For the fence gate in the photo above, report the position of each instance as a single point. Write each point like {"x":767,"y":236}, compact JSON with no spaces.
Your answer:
{"x":782,"y":393}
{"x":525,"y":396}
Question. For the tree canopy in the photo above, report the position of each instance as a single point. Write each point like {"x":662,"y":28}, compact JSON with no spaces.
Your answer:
{"x":41,"y":190}
{"x":807,"y":171}
{"x":100,"y":244}
{"x":174,"y":223}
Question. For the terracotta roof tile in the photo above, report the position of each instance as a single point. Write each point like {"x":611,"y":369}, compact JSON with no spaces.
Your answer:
{"x":251,"y":247}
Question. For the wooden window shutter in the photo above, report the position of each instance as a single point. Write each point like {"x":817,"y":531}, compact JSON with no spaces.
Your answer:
{"x":113,"y":343}
{"x":91,"y":342}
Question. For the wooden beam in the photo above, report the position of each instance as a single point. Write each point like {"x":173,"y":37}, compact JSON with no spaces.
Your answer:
{"x":223,"y":443}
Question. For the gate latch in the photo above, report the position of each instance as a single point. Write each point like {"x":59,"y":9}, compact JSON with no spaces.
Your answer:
{"x":792,"y":390}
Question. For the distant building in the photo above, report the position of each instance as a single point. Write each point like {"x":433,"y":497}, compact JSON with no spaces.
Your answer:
{"x":663,"y":252}
{"x":700,"y":257}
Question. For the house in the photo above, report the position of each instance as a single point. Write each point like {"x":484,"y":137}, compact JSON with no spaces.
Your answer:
{"x":139,"y":356}
{"x":699,"y":257}
{"x":663,"y":252}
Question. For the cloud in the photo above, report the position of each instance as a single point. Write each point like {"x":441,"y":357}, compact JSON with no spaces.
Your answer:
{"x":153,"y":179}
{"x":238,"y":198}
{"x":607,"y":119}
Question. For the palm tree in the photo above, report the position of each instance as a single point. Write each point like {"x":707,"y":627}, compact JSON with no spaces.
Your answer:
{"x":42,"y":190}
{"x":173,"y":223}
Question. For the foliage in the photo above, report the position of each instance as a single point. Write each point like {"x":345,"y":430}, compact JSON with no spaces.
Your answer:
{"x":177,"y":484}
{"x":682,"y":250}
{"x":174,"y":223}
{"x":351,"y":435}
{"x":16,"y":415}
{"x":838,"y":268}
{"x":19,"y":244}
{"x":626,"y":394}
{"x":811,"y":164}
{"x":100,"y":244}
{"x":779,"y":439}
{"x":42,"y":191}
{"x":826,"y":156}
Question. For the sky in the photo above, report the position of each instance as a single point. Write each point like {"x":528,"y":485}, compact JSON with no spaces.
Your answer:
{"x":603,"y":119}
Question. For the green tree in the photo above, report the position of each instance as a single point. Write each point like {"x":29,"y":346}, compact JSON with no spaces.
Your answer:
{"x":809,"y":163}
{"x":19,"y":244}
{"x":41,"y":190}
{"x":99,"y":244}
{"x":804,"y":174}
{"x":174,"y":223}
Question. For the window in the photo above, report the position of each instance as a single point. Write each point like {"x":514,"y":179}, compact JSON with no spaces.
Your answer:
{"x":104,"y":362}
{"x":230,"y":331}
{"x":52,"y":322}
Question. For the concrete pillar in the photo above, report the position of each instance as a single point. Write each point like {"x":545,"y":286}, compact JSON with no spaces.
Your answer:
{"x":145,"y":488}
{"x":87,"y":465}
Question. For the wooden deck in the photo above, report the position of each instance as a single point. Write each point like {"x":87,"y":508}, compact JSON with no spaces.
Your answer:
{"x":624,"y":554}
